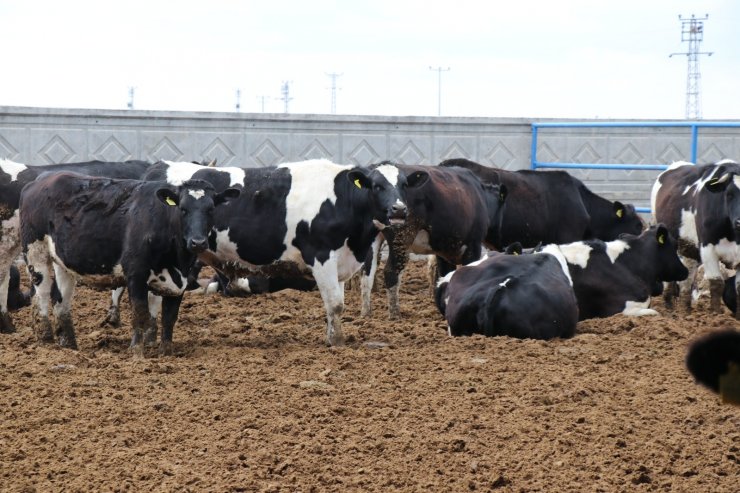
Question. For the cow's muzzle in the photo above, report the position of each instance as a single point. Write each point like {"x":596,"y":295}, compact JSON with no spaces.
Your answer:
{"x":197,"y":245}
{"x":397,"y":214}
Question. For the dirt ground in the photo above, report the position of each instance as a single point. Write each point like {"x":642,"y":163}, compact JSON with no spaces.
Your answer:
{"x":253,"y":400}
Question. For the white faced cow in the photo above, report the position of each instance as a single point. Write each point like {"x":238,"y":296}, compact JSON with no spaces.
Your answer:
{"x":701,"y":206}
{"x":312,"y":219}
{"x":13,"y":177}
{"x":111,"y":233}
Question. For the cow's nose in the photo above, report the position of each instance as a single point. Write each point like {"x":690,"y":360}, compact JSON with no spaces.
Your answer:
{"x":198,"y":244}
{"x":399,"y":209}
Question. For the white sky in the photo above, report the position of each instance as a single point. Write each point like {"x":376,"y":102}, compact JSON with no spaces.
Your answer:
{"x":513,"y":58}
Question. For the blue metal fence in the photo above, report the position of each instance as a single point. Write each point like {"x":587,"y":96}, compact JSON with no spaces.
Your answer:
{"x":692,"y":125}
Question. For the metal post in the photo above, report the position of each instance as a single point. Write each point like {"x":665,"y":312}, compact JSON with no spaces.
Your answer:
{"x":439,"y":87}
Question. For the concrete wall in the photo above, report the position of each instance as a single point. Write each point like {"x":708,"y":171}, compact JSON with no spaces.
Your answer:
{"x":48,"y":135}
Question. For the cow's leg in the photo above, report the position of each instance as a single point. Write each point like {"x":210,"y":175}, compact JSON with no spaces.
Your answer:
{"x":369,"y":268}
{"x":155,"y":306}
{"x":6,"y":322}
{"x":65,"y":330}
{"x":170,"y":308}
{"x":670,"y":293}
{"x":684,"y":287}
{"x":10,"y":247}
{"x":398,"y":256}
{"x":713,"y":274}
{"x":432,"y":273}
{"x":737,"y":297}
{"x":332,"y":293}
{"x":138,"y":297}
{"x":39,"y":268}
{"x":113,"y":317}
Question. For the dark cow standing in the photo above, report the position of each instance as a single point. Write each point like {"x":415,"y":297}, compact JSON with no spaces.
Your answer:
{"x":619,"y":276}
{"x":554,"y":207}
{"x":13,"y":177}
{"x":451,"y":216}
{"x":309,"y":219}
{"x":524,"y":296}
{"x":111,"y":233}
{"x":700,"y":204}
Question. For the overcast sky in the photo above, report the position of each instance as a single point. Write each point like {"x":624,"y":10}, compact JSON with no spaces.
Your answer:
{"x":553,"y":59}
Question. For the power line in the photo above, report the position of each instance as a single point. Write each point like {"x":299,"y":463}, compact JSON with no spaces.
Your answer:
{"x":439,"y":87}
{"x":334,"y":77}
{"x":692,"y":31}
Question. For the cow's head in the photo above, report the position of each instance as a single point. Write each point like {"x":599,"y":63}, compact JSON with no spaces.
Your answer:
{"x":665,"y":261}
{"x":196,"y":201}
{"x":726,"y":181}
{"x":386,"y":186}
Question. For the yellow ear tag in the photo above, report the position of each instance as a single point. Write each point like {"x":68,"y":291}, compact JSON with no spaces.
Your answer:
{"x":170,"y":201}
{"x":357,"y":183}
{"x":516,"y":253}
{"x":620,"y":212}
{"x":661,"y":239}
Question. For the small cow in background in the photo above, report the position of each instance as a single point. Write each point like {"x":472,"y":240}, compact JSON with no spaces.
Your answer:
{"x":523,"y":296}
{"x":111,"y":233}
{"x":700,"y":205}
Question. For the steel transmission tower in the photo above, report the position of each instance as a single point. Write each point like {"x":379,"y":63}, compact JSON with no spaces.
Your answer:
{"x":439,"y":87}
{"x":333,"y":76}
{"x":285,"y":91}
{"x":692,"y":31}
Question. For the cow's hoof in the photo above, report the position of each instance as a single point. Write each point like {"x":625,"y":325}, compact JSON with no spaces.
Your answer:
{"x":394,"y":315}
{"x":137,"y":351}
{"x":165,"y":348}
{"x":67,"y":341}
{"x":113,"y":318}
{"x":336,"y":340}
{"x":366,"y":312}
{"x":45,"y":334}
{"x":150,"y":334}
{"x":6,"y":324}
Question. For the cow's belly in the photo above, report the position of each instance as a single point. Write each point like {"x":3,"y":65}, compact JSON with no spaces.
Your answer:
{"x":347,"y":264}
{"x":167,"y":282}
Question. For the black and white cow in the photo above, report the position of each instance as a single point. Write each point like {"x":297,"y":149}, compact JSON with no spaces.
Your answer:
{"x":619,"y":276}
{"x":13,"y":177}
{"x":523,"y":296}
{"x":309,"y":219}
{"x":111,"y":233}
{"x":714,"y":361}
{"x":554,"y":207}
{"x":451,"y":216}
{"x":700,"y":204}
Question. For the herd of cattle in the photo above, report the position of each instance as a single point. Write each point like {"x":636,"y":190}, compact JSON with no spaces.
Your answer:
{"x":557,"y":252}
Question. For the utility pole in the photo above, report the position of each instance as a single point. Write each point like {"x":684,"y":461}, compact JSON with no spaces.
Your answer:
{"x":238,"y":99}
{"x":285,"y":91}
{"x":334,"y":77}
{"x":130,"y":104}
{"x":692,"y":31}
{"x":262,"y":102}
{"x":439,"y":86}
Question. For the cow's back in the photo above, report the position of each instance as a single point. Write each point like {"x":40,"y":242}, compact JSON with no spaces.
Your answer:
{"x":674,"y":191}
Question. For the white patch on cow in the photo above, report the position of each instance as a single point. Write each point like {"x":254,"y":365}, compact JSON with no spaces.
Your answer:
{"x":312,"y":185}
{"x":446,"y":278}
{"x":155,"y":305}
{"x":616,"y":248}
{"x":332,"y":293}
{"x":10,"y":247}
{"x":197,"y":194}
{"x":242,"y":284}
{"x":638,"y":309}
{"x":576,"y":253}
{"x":12,"y":168}
{"x":726,"y":161}
{"x":554,"y":250}
{"x":347,"y":264}
{"x":179,"y":172}
{"x":477,"y":262}
{"x":504,"y":282}
{"x":211,"y":288}
{"x":725,"y":251}
{"x":390,"y":173}
{"x":225,"y":248}
{"x":449,"y":329}
{"x":421,"y":243}
{"x":66,"y":281}
{"x":687,"y":229}
{"x":736,"y":181}
{"x":162,"y":283}
{"x":699,"y":184}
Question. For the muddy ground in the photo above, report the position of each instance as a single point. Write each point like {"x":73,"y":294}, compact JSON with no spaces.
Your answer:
{"x":254,"y":401}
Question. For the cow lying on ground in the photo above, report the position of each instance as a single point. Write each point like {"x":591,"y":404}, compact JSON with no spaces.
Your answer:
{"x":701,"y":206}
{"x":13,"y":177}
{"x":524,"y":296}
{"x":314,"y":219}
{"x":553,"y":207}
{"x":451,"y":217}
{"x":714,"y":360}
{"x":111,"y":233}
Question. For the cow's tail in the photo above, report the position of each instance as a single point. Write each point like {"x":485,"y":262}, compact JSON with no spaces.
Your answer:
{"x":485,"y":318}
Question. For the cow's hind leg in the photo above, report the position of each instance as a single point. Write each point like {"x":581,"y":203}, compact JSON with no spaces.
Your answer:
{"x":684,"y":287}
{"x":6,"y":322}
{"x":39,"y":268}
{"x":113,"y":317}
{"x":332,"y":293}
{"x":367,"y":273}
{"x":170,"y":310}
{"x":65,"y":331}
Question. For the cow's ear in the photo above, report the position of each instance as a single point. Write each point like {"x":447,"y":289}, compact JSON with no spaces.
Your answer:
{"x":417,"y":179}
{"x":619,"y":209}
{"x":226,"y":195}
{"x":168,"y":196}
{"x":661,"y":235}
{"x":718,"y":183}
{"x":359,"y":179}
{"x":514,"y":249}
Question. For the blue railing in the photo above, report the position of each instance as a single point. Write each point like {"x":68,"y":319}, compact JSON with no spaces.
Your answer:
{"x":692,"y":125}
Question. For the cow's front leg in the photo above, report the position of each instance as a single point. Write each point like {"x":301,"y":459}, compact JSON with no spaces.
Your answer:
{"x":332,"y":293}
{"x":65,"y":330}
{"x":155,"y":306}
{"x":6,"y":322}
{"x":10,"y":247}
{"x":113,"y":317}
{"x":39,"y":268}
{"x":369,"y":268}
{"x":685,"y":286}
{"x":713,"y":274}
{"x":170,"y":310}
{"x":138,"y":297}
{"x":398,"y":255}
